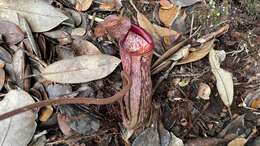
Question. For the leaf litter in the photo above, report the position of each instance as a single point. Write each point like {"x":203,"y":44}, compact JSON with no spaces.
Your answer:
{"x":62,"y":50}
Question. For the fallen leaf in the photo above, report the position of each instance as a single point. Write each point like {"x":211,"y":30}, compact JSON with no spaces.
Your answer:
{"x":252,"y":99}
{"x":163,"y":31}
{"x":5,"y":55}
{"x":148,"y":26}
{"x":169,"y":36}
{"x":185,"y":3}
{"x":204,"y":91}
{"x":214,"y":34}
{"x":81,"y":69}
{"x":182,"y":53}
{"x":40,"y":15}
{"x":180,"y":22}
{"x":79,"y":121}
{"x":84,"y":47}
{"x":64,"y":127}
{"x":224,"y":79}
{"x":26,"y":28}
{"x":46,"y":113}
{"x":166,"y":4}
{"x":167,"y":16}
{"x":75,"y":15}
{"x":149,"y":136}
{"x":113,"y":25}
{"x":168,"y":138}
{"x":64,"y":52}
{"x":17,"y":130}
{"x":240,"y":141}
{"x":110,"y":5}
{"x":236,"y":126}
{"x":83,"y":5}
{"x":198,"y":54}
{"x":61,"y":36}
{"x":11,"y":32}
{"x":205,"y":142}
{"x":78,"y":31}
{"x":19,"y":67}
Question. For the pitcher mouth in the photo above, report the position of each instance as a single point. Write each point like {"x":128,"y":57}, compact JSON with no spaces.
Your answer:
{"x":137,"y":46}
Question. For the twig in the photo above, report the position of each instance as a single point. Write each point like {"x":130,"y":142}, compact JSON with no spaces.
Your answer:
{"x":133,"y":5}
{"x":97,"y":19}
{"x":191,"y":25}
{"x":80,"y":100}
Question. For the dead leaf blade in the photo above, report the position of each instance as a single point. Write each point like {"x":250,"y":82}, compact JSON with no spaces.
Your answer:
{"x":17,"y":130}
{"x":81,"y":69}
{"x":40,"y":15}
{"x":198,"y":54}
{"x":224,"y":79}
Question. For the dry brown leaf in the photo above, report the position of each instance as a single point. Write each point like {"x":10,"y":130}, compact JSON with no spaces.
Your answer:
{"x":148,"y":26}
{"x":166,"y":4}
{"x":252,"y":99}
{"x":110,"y":5}
{"x":19,"y":67}
{"x":255,"y":103}
{"x":240,"y":141}
{"x":113,"y":25}
{"x":163,"y":31}
{"x":11,"y":32}
{"x":169,"y":36}
{"x":46,"y":113}
{"x":83,"y":5}
{"x":81,"y":69}
{"x":64,"y":127}
{"x":198,"y":54}
{"x":84,"y":47}
{"x":167,"y":16}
